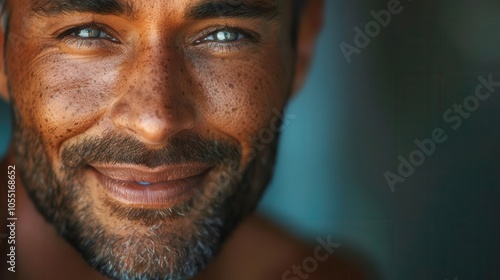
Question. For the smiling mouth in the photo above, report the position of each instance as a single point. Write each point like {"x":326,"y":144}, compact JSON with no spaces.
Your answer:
{"x":141,"y":187}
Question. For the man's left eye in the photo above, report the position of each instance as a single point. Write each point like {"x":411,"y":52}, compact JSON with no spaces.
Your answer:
{"x":225,"y":36}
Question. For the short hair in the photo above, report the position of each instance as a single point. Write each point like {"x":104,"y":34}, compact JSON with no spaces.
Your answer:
{"x":298,"y":4}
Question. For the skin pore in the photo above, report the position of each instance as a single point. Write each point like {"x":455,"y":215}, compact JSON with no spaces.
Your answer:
{"x":116,"y":101}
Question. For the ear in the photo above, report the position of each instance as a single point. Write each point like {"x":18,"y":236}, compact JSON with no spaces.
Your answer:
{"x":4,"y":88}
{"x":310,"y":24}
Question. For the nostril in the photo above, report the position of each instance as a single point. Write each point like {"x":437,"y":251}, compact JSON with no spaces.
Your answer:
{"x":155,"y":121}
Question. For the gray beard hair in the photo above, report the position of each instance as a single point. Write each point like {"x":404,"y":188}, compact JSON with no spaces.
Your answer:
{"x":152,"y":252}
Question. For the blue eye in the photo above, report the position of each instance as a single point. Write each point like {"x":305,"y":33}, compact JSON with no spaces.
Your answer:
{"x":226,"y":40}
{"x":89,"y":36}
{"x":225,"y":36}
{"x":91,"y":33}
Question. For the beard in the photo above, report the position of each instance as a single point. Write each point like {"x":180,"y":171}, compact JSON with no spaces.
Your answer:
{"x":134,"y":243}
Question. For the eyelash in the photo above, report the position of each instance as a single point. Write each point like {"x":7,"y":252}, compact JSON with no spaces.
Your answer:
{"x":234,"y":46}
{"x":80,"y":42}
{"x":226,"y":47}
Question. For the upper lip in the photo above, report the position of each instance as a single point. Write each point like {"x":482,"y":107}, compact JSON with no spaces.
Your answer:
{"x":135,"y":173}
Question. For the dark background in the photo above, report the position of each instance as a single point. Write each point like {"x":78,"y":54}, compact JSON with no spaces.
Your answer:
{"x":353,"y":120}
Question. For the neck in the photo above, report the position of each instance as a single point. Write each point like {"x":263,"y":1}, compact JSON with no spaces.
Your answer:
{"x":40,"y":253}
{"x":37,"y":244}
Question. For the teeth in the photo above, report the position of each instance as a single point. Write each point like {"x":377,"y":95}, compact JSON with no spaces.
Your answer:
{"x":144,"y":183}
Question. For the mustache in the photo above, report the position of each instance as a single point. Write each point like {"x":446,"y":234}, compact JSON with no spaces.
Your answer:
{"x":115,"y":148}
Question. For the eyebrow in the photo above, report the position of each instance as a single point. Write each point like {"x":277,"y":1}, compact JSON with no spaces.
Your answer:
{"x":55,"y":7}
{"x":205,"y":9}
{"x":233,"y":8}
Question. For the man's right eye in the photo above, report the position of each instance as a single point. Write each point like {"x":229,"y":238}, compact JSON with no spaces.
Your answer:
{"x":90,"y":33}
{"x":90,"y":36}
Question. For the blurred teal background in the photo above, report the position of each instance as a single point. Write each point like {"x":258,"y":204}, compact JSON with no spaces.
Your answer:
{"x":5,"y":127}
{"x":354,"y":119}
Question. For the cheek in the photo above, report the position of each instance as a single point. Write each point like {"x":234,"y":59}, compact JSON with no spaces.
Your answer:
{"x":63,"y":97}
{"x":241,"y":96}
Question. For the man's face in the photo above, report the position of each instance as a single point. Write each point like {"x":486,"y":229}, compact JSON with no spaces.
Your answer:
{"x":137,"y":122}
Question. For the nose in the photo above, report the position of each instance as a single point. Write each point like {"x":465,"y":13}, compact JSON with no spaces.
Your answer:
{"x":152,"y":105}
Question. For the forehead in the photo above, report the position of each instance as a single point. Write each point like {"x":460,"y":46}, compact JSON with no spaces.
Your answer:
{"x":191,"y":8}
{"x":135,"y":2}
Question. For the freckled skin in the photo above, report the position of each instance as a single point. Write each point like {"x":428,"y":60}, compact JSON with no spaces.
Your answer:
{"x":74,"y":88}
{"x":156,"y":84}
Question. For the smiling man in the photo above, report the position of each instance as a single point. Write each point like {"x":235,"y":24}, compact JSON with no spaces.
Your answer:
{"x":135,"y":130}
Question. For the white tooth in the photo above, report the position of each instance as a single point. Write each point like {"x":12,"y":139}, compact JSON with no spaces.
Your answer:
{"x":144,"y":183}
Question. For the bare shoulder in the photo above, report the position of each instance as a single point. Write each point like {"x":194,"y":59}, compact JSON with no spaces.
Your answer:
{"x":258,"y":249}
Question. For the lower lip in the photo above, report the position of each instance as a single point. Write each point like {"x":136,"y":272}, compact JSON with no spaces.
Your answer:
{"x":158,"y":195}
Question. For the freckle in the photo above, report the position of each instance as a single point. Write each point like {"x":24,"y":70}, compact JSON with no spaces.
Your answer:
{"x":68,"y":130}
